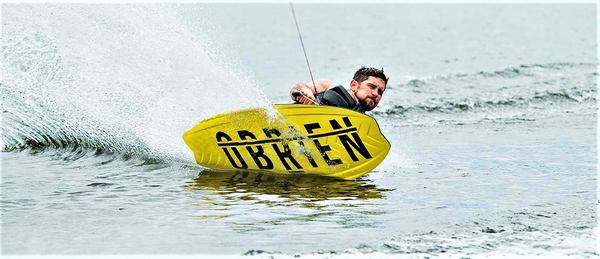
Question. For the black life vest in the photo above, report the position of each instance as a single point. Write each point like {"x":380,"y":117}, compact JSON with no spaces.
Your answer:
{"x":338,"y":96}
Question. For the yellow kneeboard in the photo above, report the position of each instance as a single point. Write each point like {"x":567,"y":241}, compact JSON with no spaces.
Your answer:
{"x":290,"y":139}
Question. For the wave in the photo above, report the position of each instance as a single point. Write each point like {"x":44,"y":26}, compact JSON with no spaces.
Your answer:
{"x":474,"y":104}
{"x":28,"y":124}
{"x":537,"y":90}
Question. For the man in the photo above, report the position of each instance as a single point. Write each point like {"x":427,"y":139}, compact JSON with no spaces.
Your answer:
{"x":366,"y":88}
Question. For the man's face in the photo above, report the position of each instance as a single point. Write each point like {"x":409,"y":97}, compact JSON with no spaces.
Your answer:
{"x":368,"y":92}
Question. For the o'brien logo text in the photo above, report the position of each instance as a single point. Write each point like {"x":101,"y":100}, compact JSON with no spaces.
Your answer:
{"x":247,"y":142}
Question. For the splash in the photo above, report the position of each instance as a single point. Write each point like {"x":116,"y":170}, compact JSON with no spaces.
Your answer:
{"x":119,"y":78}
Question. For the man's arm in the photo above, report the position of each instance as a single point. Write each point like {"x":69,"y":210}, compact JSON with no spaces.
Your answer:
{"x":309,"y":91}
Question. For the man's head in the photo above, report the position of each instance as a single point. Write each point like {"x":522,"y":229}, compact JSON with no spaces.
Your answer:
{"x":368,"y":85}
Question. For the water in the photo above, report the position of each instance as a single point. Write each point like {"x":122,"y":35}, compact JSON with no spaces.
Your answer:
{"x":491,"y":112}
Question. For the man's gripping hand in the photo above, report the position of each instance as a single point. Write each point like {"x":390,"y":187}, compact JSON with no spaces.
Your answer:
{"x":303,"y":94}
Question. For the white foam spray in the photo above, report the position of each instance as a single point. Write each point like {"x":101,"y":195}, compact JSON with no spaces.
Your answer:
{"x":131,"y":72}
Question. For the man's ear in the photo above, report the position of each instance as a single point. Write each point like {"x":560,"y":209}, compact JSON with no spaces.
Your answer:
{"x":354,"y":85}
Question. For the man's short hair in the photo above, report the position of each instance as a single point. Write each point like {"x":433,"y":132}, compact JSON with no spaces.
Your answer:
{"x":364,"y":73}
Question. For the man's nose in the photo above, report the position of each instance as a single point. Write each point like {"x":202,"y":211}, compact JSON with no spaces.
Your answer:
{"x":374,"y":93}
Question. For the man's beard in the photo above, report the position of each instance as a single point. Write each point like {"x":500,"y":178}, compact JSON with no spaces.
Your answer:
{"x":365,"y":104}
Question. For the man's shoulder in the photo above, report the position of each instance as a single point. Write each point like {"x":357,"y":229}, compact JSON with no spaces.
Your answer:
{"x":337,"y":88}
{"x":336,"y":96}
{"x":323,"y":85}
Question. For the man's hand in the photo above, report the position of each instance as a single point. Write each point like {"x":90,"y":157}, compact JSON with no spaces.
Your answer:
{"x":305,"y":93}
{"x":301,"y":93}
